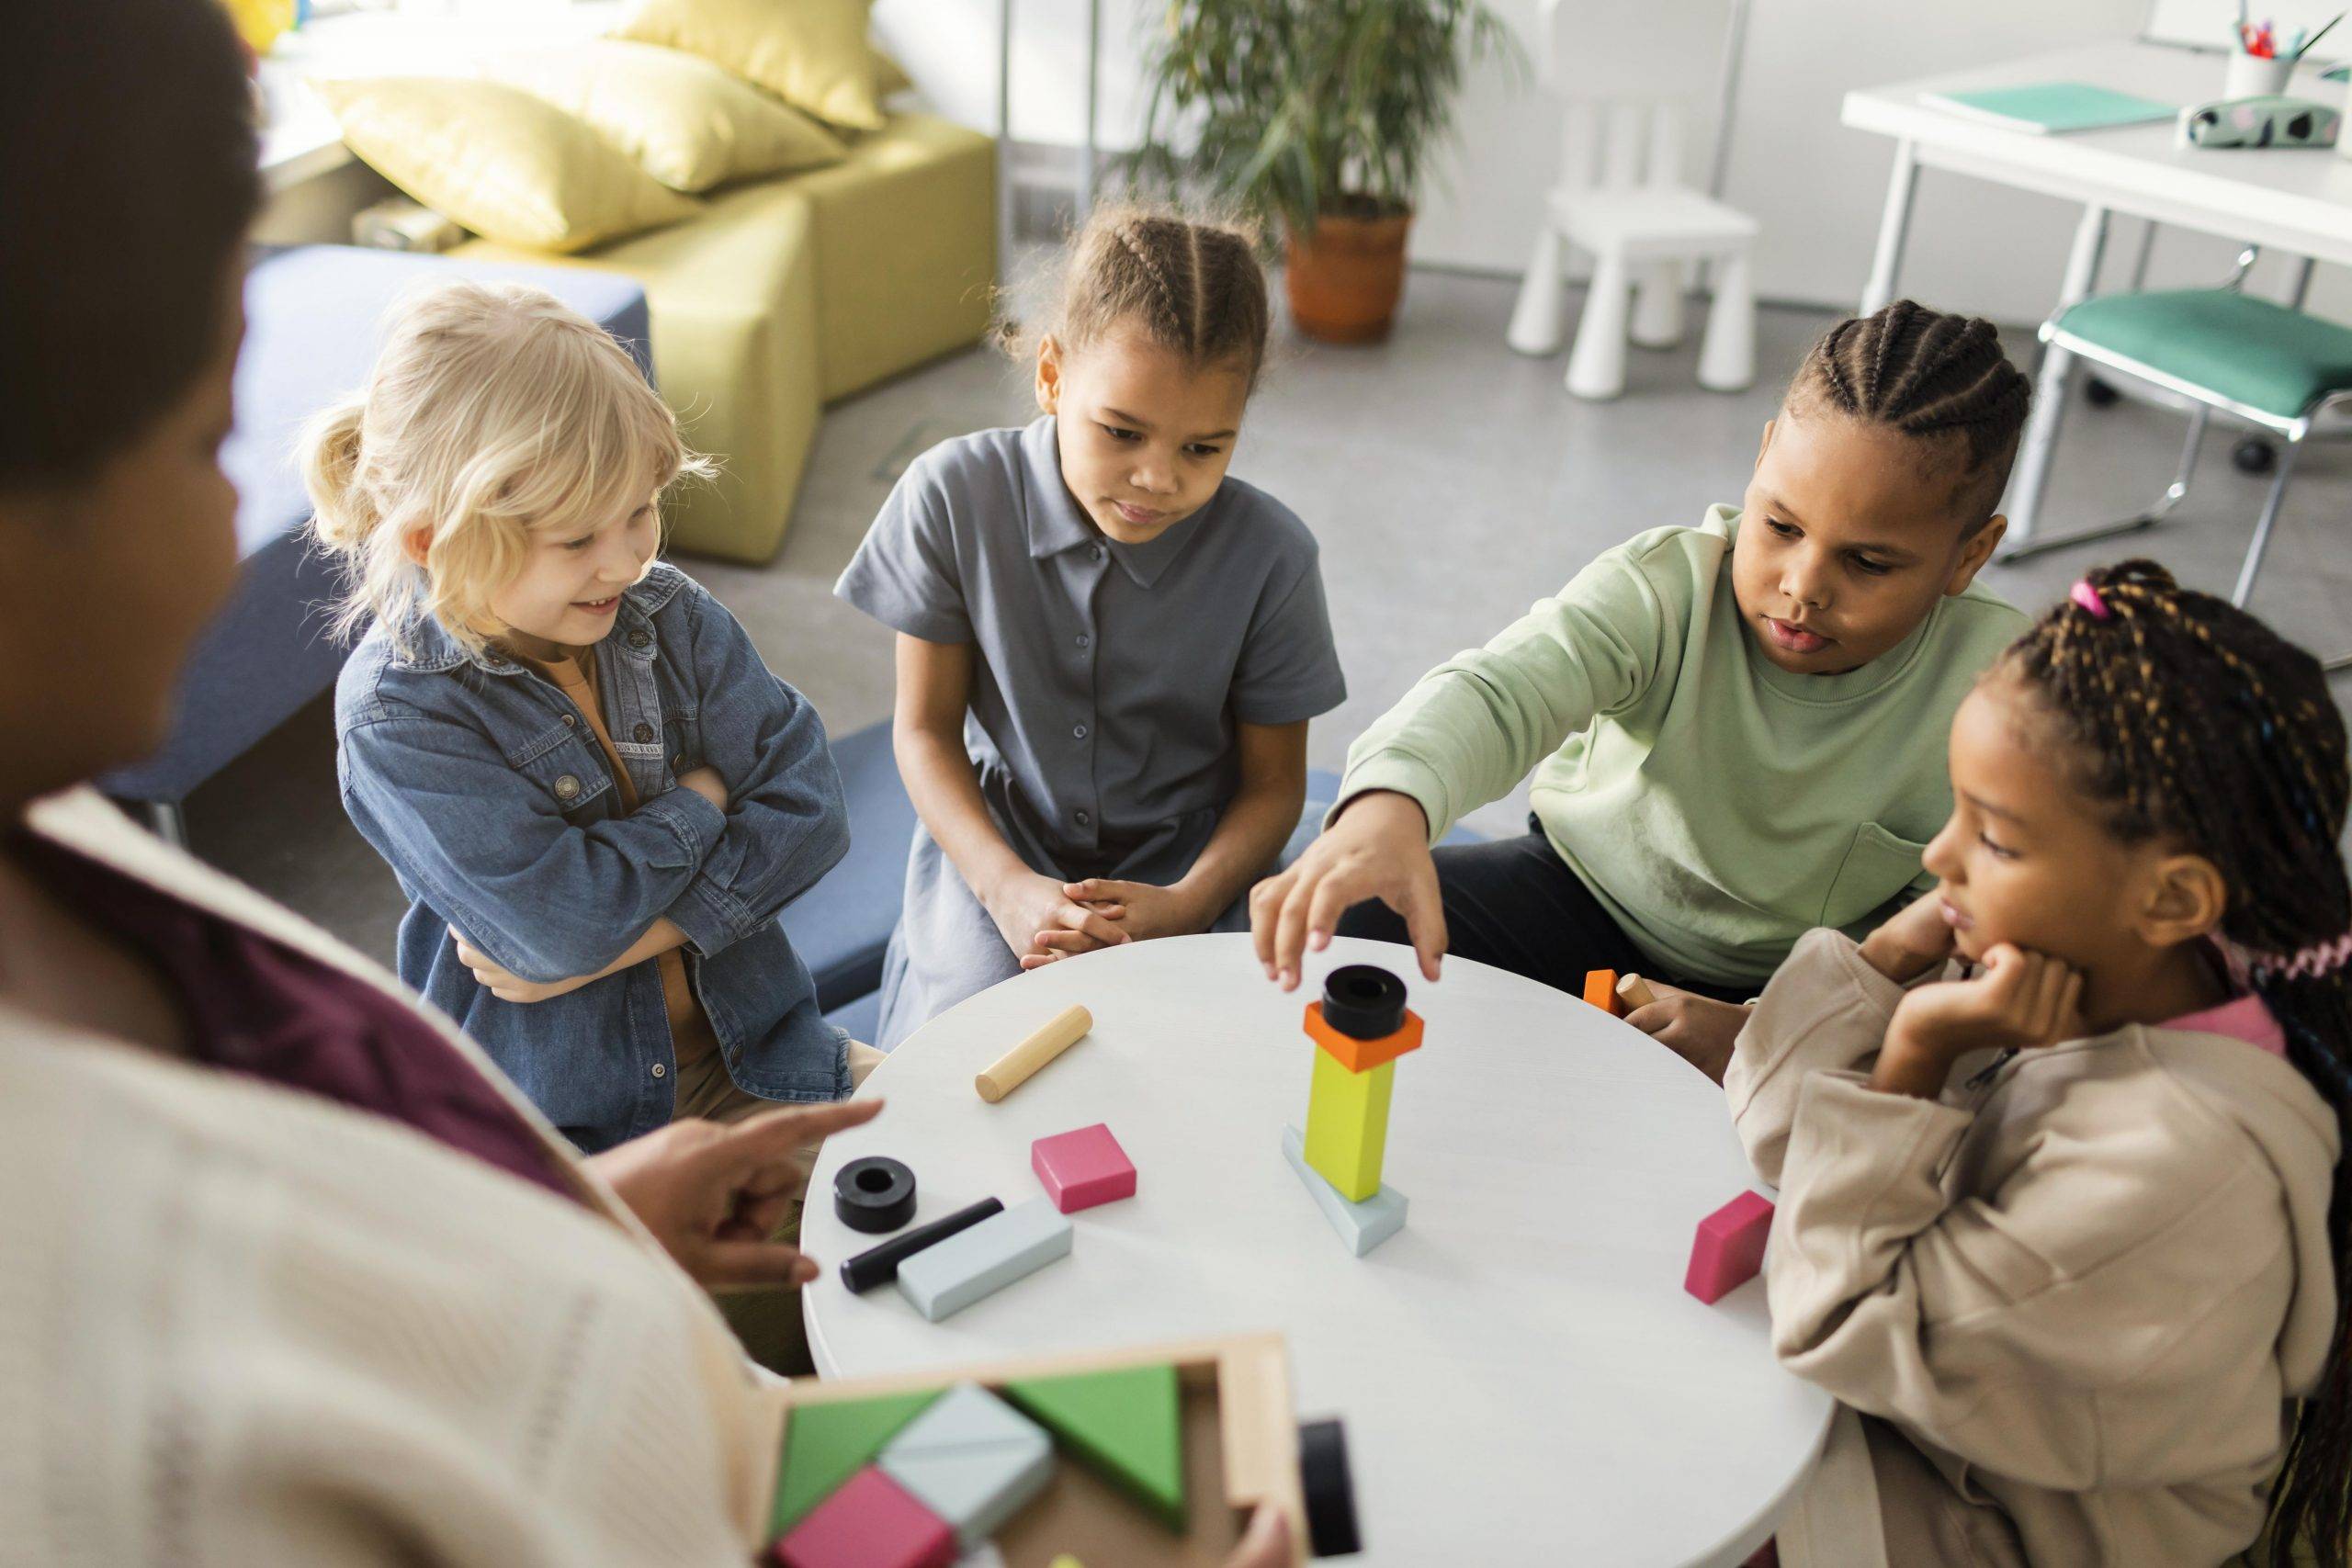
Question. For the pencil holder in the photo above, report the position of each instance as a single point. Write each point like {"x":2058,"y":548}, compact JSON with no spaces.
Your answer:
{"x":2252,"y":76}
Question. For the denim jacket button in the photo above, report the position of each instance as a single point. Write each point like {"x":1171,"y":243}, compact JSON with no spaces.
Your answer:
{"x":567,"y":788}
{"x":640,"y":639}
{"x":571,"y":721}
{"x":644,"y":733}
{"x":660,"y":1071}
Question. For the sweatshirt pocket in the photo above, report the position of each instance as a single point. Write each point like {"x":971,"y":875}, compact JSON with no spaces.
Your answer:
{"x":1877,"y":866}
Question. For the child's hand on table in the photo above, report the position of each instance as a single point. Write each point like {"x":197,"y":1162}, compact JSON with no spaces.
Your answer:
{"x":1143,"y":909}
{"x":1379,"y":848}
{"x":2016,"y":1002}
{"x":713,"y":1193}
{"x":503,"y":983}
{"x":1914,"y":940}
{"x":1698,"y":1029}
{"x":1040,"y":920}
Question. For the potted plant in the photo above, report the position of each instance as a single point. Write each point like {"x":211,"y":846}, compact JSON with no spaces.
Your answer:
{"x":1320,"y":116}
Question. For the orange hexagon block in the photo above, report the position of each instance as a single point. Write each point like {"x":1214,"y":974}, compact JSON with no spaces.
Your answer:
{"x":1363,"y":1055}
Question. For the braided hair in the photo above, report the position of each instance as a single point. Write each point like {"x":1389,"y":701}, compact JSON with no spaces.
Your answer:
{"x":2193,"y":721}
{"x":1930,"y":375}
{"x":1190,"y":283}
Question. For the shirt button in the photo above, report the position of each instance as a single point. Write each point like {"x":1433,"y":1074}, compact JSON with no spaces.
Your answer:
{"x":640,"y":639}
{"x":1095,"y":552}
{"x":660,"y":1071}
{"x":571,"y":721}
{"x":567,"y":788}
{"x":1085,"y":641}
{"x":1079,"y":731}
{"x":1083,"y":818}
{"x":644,"y":733}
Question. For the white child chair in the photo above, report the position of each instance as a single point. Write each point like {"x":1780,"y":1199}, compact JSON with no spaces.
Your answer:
{"x":1627,"y":78}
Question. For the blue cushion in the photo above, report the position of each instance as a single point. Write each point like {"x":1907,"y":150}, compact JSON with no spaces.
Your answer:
{"x":862,"y":1018}
{"x":313,"y":315}
{"x":840,"y":926}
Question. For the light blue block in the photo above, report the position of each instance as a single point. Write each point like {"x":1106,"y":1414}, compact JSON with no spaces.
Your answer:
{"x":944,"y":1280}
{"x":1361,"y":1225}
{"x":971,"y":1459}
{"x":976,"y":1488}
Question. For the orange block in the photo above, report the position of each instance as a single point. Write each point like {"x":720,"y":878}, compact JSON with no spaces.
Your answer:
{"x":1363,"y":1055}
{"x":1601,"y":990}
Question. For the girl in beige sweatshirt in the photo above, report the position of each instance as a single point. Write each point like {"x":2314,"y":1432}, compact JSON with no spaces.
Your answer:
{"x":2058,"y":1230}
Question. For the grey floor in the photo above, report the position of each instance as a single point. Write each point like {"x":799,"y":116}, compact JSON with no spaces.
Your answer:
{"x":1451,"y":482}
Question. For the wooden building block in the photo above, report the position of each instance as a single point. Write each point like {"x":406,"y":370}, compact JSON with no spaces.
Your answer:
{"x":1363,"y":1055}
{"x":972,"y":1459}
{"x":1729,"y":1248}
{"x":973,"y":1264}
{"x":1346,"y":1124}
{"x":824,"y":1445}
{"x":1083,"y":1168}
{"x":1124,"y":1423}
{"x":1012,"y":1070}
{"x":870,"y":1523}
{"x":1601,"y":990}
{"x":1633,"y":991}
{"x":1361,"y":1225}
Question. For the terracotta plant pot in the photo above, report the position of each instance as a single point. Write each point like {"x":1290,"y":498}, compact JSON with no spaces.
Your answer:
{"x":1346,"y":278}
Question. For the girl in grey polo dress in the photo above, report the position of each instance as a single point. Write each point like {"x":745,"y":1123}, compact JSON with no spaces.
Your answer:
{"x":1113,"y":670}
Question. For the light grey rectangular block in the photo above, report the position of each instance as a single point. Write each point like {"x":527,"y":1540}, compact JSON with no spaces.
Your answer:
{"x":946,"y":1279}
{"x":1361,"y":1225}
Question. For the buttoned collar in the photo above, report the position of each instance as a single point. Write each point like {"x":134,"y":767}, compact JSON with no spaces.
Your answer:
{"x":1057,"y":524}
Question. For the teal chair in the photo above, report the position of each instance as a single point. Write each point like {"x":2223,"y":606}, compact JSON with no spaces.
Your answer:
{"x":2277,"y":368}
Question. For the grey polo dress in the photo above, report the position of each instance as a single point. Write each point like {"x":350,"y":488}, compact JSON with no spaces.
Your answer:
{"x":1107,"y":685}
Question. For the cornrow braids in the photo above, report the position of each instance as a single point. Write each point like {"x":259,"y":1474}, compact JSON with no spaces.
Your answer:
{"x":1929,"y":375}
{"x":1190,"y":283}
{"x":2192,"y":720}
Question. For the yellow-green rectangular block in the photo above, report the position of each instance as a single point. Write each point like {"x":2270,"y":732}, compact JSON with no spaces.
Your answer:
{"x":1346,"y":1124}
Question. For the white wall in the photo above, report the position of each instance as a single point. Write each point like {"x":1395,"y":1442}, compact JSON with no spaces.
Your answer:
{"x":1815,"y":185}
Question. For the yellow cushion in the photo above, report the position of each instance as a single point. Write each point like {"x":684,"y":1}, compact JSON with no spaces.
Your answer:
{"x":499,"y":161}
{"x":810,"y":53}
{"x":680,"y":119}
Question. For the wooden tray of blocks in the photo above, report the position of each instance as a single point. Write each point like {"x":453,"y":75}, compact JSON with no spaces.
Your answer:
{"x":1117,"y":1459}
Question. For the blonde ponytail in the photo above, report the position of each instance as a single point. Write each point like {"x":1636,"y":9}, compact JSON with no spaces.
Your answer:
{"x":493,"y":411}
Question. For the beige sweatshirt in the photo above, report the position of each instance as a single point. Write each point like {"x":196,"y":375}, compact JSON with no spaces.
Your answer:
{"x":242,"y":1325}
{"x":2082,"y":1285}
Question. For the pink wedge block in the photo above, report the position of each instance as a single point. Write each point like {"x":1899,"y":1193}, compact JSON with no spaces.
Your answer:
{"x":1083,"y":1168}
{"x":1730,"y":1248}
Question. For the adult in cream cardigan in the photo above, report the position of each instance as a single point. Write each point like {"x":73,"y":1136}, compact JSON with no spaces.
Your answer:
{"x":248,"y":1320}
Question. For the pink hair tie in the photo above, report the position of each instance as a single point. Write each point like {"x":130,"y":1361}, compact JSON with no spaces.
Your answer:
{"x":2086,"y":595}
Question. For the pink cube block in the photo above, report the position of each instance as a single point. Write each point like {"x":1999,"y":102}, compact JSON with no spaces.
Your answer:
{"x":1730,"y":1248}
{"x":871,"y":1522}
{"x":1083,"y":1168}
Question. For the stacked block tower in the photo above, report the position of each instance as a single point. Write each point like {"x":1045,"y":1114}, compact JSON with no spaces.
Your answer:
{"x":1359,"y":1028}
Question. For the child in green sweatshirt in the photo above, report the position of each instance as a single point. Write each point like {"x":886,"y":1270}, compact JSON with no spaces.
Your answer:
{"x":1737,"y":730}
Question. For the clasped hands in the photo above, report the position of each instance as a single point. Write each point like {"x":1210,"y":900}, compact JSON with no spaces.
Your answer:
{"x":1044,"y":919}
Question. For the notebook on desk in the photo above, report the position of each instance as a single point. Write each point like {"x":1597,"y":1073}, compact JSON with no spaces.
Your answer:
{"x":2046,"y":107}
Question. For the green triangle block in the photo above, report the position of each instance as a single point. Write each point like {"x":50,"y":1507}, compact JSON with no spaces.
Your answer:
{"x":826,"y":1444}
{"x":1126,"y":1424}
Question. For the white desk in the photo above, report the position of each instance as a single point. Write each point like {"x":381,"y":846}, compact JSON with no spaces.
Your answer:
{"x":2299,"y":201}
{"x":1522,"y":1377}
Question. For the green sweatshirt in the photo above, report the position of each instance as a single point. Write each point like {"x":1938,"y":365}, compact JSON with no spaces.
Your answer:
{"x":1717,"y":806}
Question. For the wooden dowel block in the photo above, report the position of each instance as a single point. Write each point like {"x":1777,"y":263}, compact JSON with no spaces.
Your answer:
{"x":1014,"y":1068}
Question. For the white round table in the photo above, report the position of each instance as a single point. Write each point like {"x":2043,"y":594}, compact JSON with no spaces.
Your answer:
{"x":1522,"y":1377}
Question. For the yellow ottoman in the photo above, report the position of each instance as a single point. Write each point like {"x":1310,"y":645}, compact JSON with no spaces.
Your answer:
{"x":906,"y":249}
{"x":732,"y":297}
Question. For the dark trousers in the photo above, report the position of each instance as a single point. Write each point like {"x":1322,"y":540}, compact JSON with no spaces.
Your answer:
{"x":1515,"y":904}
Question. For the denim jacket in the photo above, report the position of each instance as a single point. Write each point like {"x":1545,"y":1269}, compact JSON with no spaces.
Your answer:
{"x":487,"y":791}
